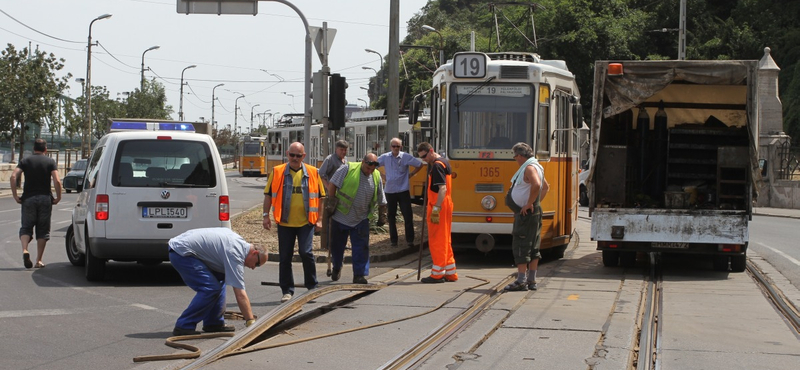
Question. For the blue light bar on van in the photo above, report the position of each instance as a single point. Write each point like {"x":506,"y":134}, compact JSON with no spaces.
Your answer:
{"x":151,"y":126}
{"x":176,"y":127}
{"x":125,"y":126}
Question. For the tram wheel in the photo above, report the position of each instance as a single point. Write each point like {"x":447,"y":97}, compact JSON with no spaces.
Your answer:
{"x":610,"y":258}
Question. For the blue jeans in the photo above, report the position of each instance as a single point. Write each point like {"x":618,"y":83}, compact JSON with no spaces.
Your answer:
{"x":286,"y":238}
{"x":208,"y":305}
{"x":359,"y":240}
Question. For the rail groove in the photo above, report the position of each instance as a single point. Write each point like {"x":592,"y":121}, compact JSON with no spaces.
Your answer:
{"x":776,"y":296}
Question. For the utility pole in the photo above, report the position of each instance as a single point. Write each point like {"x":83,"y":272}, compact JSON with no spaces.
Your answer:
{"x":392,"y":96}
{"x":682,"y":32}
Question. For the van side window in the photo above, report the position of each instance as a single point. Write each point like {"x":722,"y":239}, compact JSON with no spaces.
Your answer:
{"x":91,"y":172}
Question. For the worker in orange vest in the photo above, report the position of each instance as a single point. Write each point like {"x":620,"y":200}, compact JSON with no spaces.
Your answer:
{"x":440,"y":215}
{"x":293,"y":192}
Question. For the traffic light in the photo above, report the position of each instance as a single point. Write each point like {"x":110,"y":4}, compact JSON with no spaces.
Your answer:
{"x":317,"y":94}
{"x":337,"y":102}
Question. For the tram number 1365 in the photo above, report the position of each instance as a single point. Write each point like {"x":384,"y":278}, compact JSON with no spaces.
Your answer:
{"x":490,"y":172}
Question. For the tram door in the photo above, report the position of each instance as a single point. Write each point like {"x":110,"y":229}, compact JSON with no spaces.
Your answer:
{"x":284,"y":148}
{"x":361,"y":146}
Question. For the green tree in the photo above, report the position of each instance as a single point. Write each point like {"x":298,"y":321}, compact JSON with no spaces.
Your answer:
{"x":150,"y":103}
{"x":30,"y":89}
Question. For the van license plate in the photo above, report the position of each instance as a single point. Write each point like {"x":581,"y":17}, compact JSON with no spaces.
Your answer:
{"x":164,"y":212}
{"x":671,"y":245}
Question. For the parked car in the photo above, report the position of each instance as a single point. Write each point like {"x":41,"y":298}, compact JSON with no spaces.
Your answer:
{"x":74,"y":176}
{"x":584,"y":192}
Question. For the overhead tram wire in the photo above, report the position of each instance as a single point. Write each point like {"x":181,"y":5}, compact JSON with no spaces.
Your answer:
{"x":115,"y":58}
{"x":37,"y":31}
{"x":196,"y":95}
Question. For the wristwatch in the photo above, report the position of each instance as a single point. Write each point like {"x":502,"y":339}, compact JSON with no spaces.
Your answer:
{"x":264,"y":214}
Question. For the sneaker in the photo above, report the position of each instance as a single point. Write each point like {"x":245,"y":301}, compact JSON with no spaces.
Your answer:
{"x":26,"y":258}
{"x":180,"y":332}
{"x":532,"y":285}
{"x":336,"y":274}
{"x":359,"y":280}
{"x":431,"y":280}
{"x":286,"y":297}
{"x":516,"y":286}
{"x":219,"y":328}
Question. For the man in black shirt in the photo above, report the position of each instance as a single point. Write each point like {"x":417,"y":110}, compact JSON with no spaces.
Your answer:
{"x":37,"y":199}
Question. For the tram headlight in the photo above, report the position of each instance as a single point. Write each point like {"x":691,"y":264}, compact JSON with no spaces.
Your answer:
{"x":489,"y":202}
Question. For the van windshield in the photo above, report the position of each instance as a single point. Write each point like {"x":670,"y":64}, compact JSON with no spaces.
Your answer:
{"x":160,"y":163}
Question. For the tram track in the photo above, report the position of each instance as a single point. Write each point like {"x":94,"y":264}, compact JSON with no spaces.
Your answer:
{"x":647,"y":350}
{"x":775,"y":296}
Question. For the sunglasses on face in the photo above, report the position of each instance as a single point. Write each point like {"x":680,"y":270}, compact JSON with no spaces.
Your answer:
{"x":258,"y":255}
{"x":296,"y":155}
{"x":373,"y":164}
{"x":395,"y":146}
{"x":424,"y":155}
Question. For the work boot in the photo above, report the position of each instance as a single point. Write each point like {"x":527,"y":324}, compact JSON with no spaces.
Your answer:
{"x":219,"y":328}
{"x":431,"y":280}
{"x":180,"y":332}
{"x":336,"y":274}
{"x":359,"y":280}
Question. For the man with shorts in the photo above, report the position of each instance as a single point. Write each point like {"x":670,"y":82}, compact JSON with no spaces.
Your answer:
{"x":37,"y":200}
{"x":528,"y":187}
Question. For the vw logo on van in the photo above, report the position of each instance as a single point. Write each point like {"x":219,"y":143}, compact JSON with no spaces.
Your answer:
{"x":165,"y":194}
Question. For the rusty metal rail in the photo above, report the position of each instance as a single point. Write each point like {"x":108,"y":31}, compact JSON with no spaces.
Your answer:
{"x":776,"y":296}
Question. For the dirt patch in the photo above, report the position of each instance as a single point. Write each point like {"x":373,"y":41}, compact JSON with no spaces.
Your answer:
{"x":249,"y":226}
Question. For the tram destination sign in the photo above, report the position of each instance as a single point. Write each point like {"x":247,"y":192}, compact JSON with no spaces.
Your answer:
{"x":469,"y":65}
{"x":515,"y":91}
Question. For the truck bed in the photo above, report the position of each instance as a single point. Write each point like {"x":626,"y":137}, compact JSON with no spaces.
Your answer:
{"x":708,"y":226}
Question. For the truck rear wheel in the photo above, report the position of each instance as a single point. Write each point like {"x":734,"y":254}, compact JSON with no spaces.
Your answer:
{"x":738,"y":263}
{"x":627,"y":259}
{"x":610,"y":258}
{"x":720,"y":263}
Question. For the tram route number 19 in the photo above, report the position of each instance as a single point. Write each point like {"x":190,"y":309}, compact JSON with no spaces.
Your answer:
{"x":469,"y":65}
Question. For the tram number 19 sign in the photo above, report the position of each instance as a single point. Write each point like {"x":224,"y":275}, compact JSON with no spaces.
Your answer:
{"x":469,"y":65}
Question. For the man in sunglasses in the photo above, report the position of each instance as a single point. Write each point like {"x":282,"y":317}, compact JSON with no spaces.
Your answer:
{"x":355,"y":192}
{"x":395,"y":165}
{"x":208,"y":260}
{"x":293,"y":192}
{"x":440,"y":215}
{"x":329,"y":166}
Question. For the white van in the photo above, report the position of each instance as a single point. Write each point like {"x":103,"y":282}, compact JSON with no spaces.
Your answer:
{"x":141,"y":189}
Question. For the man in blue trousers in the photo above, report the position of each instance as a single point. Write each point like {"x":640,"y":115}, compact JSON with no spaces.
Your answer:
{"x":208,"y":260}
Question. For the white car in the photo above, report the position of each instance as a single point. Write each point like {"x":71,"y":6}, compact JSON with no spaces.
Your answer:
{"x":141,"y":189}
{"x":583,"y":190}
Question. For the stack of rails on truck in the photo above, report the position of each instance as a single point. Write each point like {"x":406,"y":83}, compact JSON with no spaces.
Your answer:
{"x":674,"y":148}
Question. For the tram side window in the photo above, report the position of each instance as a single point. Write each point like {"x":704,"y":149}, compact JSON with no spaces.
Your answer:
{"x":381,"y":140}
{"x":543,"y":123}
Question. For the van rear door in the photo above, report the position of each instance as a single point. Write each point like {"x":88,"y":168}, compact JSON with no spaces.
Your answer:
{"x":163,"y":187}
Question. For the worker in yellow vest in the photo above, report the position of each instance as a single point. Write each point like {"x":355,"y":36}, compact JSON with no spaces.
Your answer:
{"x":355,"y":192}
{"x":293,"y":193}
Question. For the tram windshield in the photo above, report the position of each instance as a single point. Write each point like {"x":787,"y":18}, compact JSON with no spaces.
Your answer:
{"x":486,"y":121}
{"x":251,"y":148}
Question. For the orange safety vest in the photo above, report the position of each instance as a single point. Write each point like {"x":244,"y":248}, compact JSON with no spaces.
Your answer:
{"x":439,"y":238}
{"x":311,"y":192}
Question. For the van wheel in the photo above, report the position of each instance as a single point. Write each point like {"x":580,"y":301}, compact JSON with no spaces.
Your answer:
{"x":738,"y":263}
{"x":610,"y":258}
{"x":584,"y":194}
{"x":68,"y":191}
{"x":95,"y":267}
{"x":75,"y":257}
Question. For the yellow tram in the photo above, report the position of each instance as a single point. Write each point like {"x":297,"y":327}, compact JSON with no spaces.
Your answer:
{"x":481,"y":105}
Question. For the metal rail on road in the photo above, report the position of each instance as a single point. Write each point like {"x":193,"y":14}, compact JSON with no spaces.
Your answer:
{"x":649,"y":346}
{"x":778,"y":299}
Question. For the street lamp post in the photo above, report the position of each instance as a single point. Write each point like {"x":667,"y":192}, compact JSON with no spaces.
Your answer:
{"x":441,"y":42}
{"x":236,"y":128}
{"x":292,"y":95}
{"x":379,"y":82}
{"x":251,"y":117}
{"x":180,"y":111}
{"x":365,"y":103}
{"x":86,"y":144}
{"x":376,"y":77}
{"x":148,"y":49}
{"x":264,"y":117}
{"x":213,"y":101}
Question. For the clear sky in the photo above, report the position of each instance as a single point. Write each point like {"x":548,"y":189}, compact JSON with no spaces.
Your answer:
{"x":229,"y":49}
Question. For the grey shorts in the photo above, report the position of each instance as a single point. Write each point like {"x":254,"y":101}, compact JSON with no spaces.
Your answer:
{"x":526,"y":236}
{"x":36,"y":212}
